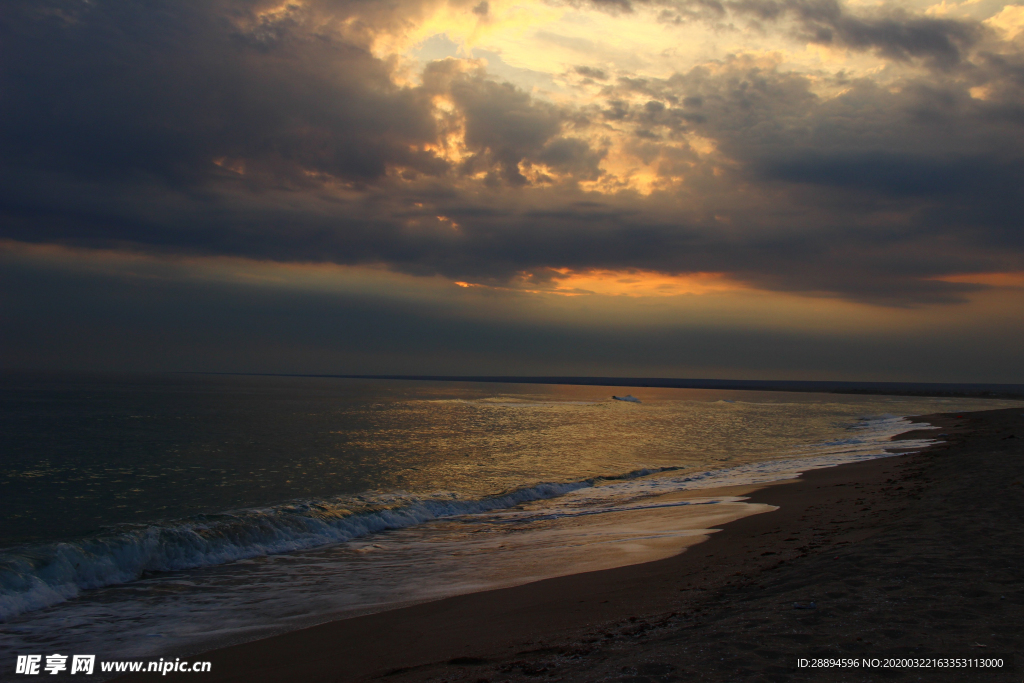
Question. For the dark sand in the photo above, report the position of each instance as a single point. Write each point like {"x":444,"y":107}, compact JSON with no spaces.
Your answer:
{"x":917,"y":555}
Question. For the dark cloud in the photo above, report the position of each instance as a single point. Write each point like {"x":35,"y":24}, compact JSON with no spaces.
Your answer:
{"x":506,"y":129}
{"x":503,"y":123}
{"x":169,"y":90}
{"x":572,"y":155}
{"x":897,"y":175}
{"x":219,"y":128}
{"x":712,"y":12}
{"x":133,"y":321}
{"x":589,"y":72}
{"x":614,"y":5}
{"x":897,"y":35}
{"x":891,"y":33}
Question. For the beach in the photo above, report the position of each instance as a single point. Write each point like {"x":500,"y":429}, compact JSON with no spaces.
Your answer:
{"x":510,"y":340}
{"x":911,"y":556}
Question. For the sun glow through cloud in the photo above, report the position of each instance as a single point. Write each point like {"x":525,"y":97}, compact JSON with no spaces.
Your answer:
{"x":689,"y":168}
{"x":638,"y":283}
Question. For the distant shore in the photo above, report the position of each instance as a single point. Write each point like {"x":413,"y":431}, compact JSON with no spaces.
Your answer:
{"x":908,"y":556}
{"x":937,"y":389}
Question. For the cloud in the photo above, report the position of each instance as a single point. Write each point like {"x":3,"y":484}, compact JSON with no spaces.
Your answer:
{"x":895,"y":174}
{"x":180,"y":93}
{"x":892,"y":33}
{"x":502,"y":124}
{"x":276,"y":132}
{"x":590,"y":72}
{"x":896,"y":35}
{"x":140,"y":315}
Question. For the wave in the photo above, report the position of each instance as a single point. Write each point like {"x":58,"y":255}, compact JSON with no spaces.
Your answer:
{"x":38,"y":576}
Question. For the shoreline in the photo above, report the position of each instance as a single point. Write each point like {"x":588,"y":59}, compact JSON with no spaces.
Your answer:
{"x":578,"y":626}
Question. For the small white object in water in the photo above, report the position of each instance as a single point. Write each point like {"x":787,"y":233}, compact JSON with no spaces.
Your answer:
{"x":627,"y":397}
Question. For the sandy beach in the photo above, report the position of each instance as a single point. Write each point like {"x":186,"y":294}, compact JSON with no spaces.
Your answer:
{"x":912,"y":556}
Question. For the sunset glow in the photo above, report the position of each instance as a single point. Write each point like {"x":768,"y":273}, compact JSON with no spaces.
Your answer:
{"x":737,"y":178}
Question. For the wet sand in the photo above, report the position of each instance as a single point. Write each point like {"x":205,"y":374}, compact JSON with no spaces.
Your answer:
{"x":917,"y":555}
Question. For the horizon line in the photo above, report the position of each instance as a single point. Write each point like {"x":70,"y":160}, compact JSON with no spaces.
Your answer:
{"x":937,"y":389}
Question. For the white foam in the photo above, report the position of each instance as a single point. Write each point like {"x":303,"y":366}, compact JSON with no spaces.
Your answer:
{"x":39,"y":576}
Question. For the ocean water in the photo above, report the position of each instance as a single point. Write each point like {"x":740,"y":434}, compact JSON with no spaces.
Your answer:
{"x":150,"y":515}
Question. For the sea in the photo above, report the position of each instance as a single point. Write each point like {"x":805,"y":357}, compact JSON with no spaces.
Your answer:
{"x":146,"y":516}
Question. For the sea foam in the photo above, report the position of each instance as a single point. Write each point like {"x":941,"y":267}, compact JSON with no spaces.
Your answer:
{"x":38,"y":576}
{"x":34,"y":577}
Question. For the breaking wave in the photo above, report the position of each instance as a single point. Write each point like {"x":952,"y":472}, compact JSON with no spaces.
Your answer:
{"x":37,"y":576}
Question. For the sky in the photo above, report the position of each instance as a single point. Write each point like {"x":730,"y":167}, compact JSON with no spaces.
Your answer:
{"x":763,"y":189}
